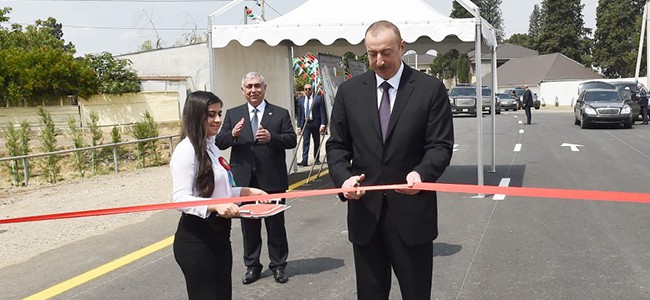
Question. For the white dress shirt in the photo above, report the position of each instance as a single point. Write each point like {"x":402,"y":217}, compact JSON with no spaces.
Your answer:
{"x":394,"y":83}
{"x":183,"y":171}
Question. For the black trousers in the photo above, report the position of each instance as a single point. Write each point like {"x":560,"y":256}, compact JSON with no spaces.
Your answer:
{"x":278,"y":246}
{"x":203,"y":251}
{"x":529,"y":116}
{"x":644,"y":114}
{"x":373,"y":262}
{"x":311,"y":131}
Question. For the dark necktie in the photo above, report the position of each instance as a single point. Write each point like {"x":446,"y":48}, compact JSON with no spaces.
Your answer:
{"x":384,"y":109}
{"x":254,"y":122}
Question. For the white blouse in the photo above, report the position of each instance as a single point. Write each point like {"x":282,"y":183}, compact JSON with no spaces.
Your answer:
{"x":183,"y":171}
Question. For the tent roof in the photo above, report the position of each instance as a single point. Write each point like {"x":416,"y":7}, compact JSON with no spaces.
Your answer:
{"x":534,"y":70}
{"x":328,"y":22}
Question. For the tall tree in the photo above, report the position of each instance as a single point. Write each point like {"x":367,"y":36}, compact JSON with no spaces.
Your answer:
{"x":617,"y":36}
{"x":534,"y":22}
{"x":114,"y":76}
{"x":562,"y":30}
{"x":490,"y":11}
{"x":521,"y":39}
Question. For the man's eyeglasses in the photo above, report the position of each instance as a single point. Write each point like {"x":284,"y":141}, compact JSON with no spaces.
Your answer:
{"x":307,"y":89}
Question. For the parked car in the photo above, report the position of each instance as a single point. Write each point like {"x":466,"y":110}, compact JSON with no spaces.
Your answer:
{"x":536,"y":103}
{"x":507,"y":102}
{"x":630,"y":97}
{"x":516,"y":93}
{"x":594,"y":84}
{"x":601,"y":106}
{"x":462,"y":98}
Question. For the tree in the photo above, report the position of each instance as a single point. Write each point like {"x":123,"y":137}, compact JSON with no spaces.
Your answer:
{"x":463,"y":68}
{"x":445,"y":65}
{"x":534,"y":22}
{"x":490,"y":11}
{"x":521,"y":39}
{"x":37,"y":65}
{"x":114,"y":76}
{"x":562,"y":30}
{"x":617,"y":37}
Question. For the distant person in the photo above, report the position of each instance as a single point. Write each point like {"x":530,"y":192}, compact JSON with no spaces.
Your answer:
{"x":259,"y":133}
{"x":643,"y":102}
{"x":391,"y":125}
{"x":312,"y":120}
{"x":202,"y":241}
{"x":528,"y":104}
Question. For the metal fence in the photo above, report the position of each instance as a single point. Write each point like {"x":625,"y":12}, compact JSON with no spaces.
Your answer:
{"x":115,"y":146}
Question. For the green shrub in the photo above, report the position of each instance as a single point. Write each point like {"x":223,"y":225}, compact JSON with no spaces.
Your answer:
{"x":77,"y":137}
{"x":48,"y":144}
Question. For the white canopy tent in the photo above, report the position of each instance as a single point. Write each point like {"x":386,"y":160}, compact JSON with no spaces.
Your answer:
{"x":333,"y":27}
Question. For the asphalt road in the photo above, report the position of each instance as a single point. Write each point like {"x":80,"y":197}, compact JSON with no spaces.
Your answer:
{"x":515,"y":248}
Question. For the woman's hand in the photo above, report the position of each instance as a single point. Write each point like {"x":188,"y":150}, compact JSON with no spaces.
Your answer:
{"x":227,"y":210}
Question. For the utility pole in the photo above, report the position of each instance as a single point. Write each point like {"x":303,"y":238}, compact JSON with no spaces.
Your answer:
{"x":262,"y":6}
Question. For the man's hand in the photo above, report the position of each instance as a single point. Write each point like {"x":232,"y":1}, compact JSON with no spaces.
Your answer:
{"x":411,"y":179}
{"x":299,"y":131}
{"x":321,"y":130}
{"x":236,"y":131}
{"x":354,"y":181}
{"x":262,"y":135}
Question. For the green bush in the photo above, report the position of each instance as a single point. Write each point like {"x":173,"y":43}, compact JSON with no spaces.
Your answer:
{"x":77,"y":137}
{"x":147,"y":128}
{"x":17,"y":144}
{"x":48,"y":144}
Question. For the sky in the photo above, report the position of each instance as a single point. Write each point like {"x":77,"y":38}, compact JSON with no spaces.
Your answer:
{"x":121,"y":26}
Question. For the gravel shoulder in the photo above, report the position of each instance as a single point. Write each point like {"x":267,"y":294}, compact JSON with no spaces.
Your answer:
{"x":22,"y":241}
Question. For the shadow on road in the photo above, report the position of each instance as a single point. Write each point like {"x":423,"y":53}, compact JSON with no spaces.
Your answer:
{"x":444,"y":249}
{"x":312,"y":265}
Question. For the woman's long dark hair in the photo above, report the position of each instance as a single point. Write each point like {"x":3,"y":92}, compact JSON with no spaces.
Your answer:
{"x":195,"y":112}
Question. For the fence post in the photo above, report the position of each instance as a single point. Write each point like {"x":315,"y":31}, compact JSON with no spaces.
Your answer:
{"x":26,"y":170}
{"x":115,"y":158}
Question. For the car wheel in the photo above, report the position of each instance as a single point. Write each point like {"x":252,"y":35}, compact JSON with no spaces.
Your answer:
{"x":584,"y":124}
{"x":576,"y":121}
{"x":498,"y":111}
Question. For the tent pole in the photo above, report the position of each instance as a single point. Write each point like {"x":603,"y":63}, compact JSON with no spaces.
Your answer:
{"x":640,"y":52}
{"x":479,"y":104}
{"x":493,"y":58}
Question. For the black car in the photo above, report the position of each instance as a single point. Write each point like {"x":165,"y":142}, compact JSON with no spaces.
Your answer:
{"x":507,"y":102}
{"x":630,"y":96}
{"x":601,"y":106}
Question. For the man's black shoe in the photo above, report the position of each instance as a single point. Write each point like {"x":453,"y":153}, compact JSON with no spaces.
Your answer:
{"x":251,"y":276}
{"x":280,"y":276}
{"x":303,"y":164}
{"x":318,"y":162}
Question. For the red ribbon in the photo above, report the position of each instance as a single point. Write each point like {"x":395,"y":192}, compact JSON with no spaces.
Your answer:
{"x":440,"y":187}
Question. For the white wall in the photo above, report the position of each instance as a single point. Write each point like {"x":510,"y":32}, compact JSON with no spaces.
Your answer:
{"x":567,"y":91}
{"x":191,"y":61}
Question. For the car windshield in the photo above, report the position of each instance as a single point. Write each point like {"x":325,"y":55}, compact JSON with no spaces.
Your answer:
{"x":503,"y":96}
{"x":468,"y":91}
{"x":602,"y":96}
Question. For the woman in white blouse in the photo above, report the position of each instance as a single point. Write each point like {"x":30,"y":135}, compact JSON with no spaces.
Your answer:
{"x":202,"y":242}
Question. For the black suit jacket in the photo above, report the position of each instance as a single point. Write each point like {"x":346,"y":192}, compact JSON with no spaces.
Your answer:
{"x":269,"y":159}
{"x":528,"y":98}
{"x":317,"y":111}
{"x":420,"y":138}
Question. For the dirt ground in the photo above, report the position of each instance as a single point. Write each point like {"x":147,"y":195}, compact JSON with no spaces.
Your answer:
{"x":129,"y":187}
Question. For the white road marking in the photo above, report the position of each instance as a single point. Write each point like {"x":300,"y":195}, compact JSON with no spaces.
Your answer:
{"x":521,"y":131}
{"x":504,"y":182}
{"x":574,"y":147}
{"x":517,"y":147}
{"x":456,"y":148}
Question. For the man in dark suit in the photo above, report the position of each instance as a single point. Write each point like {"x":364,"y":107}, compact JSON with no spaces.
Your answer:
{"x":387,"y":134}
{"x":259,"y":132}
{"x":643,"y":102}
{"x":312,"y":120}
{"x":528,"y":104}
